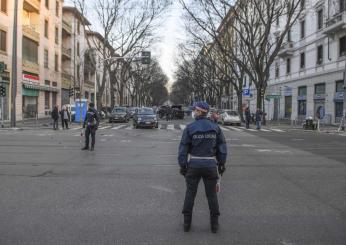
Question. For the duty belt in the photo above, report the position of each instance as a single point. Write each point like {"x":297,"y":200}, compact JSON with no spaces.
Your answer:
{"x":204,"y":158}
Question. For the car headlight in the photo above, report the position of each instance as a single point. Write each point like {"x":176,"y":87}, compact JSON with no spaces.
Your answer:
{"x":139,"y":119}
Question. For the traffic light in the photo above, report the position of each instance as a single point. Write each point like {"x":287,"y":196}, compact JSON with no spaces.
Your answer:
{"x":71,"y":92}
{"x":2,"y":91}
{"x":263,"y":92}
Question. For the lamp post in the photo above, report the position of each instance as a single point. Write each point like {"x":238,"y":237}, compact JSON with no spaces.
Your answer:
{"x":14,"y":65}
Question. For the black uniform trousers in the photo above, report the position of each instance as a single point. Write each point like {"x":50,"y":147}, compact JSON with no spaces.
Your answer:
{"x":90,"y":130}
{"x":210,"y":177}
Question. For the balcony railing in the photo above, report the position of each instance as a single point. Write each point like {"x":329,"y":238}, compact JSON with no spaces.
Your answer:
{"x":67,"y":27}
{"x":31,"y":5}
{"x":286,"y":49}
{"x":31,"y":32}
{"x":336,"y":23}
{"x":66,"y":52}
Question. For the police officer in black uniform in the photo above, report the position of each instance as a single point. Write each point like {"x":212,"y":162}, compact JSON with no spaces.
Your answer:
{"x":91,"y":122}
{"x":202,"y":154}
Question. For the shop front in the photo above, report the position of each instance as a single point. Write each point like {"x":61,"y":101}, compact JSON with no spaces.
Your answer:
{"x":4,"y":100}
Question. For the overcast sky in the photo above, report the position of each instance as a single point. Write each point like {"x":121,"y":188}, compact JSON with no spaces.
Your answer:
{"x":171,"y":33}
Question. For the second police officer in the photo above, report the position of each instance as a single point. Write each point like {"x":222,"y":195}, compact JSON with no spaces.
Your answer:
{"x":202,"y":154}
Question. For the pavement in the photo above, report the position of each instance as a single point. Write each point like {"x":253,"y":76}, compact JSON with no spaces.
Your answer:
{"x":280,"y":187}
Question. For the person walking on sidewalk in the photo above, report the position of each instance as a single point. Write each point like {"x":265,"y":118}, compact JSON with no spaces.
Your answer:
{"x":55,"y":117}
{"x":202,"y":154}
{"x":259,"y":114}
{"x":65,"y":117}
{"x":247,"y":117}
{"x":91,"y":123}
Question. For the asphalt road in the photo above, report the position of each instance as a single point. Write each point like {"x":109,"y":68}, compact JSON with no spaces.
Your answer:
{"x":284,"y":187}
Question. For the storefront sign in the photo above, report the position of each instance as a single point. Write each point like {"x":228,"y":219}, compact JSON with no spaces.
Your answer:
{"x":31,"y":78}
{"x":320,"y":96}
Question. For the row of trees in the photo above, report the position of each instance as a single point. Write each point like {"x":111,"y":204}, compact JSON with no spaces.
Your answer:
{"x":127,"y":28}
{"x":232,"y":42}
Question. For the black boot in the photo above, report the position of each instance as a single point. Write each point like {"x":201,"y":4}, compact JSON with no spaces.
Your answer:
{"x":214,"y":223}
{"x":85,"y":148}
{"x":92,"y":148}
{"x":187,"y":222}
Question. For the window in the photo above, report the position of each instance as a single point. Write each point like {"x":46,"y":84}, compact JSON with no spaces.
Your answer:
{"x":46,"y":100}
{"x":342,"y":43}
{"x":339,"y":86}
{"x":302,"y":91}
{"x":302,"y":4}
{"x":47,"y":82}
{"x":46,"y":28}
{"x":302,"y":29}
{"x":278,"y":19}
{"x":46,"y":59}
{"x":277,"y":70}
{"x":319,"y":55}
{"x":320,"y":19}
{"x":56,"y":35}
{"x":30,"y":50}
{"x":57,"y":8}
{"x":56,"y":62}
{"x":339,"y":107}
{"x":78,"y":49}
{"x":301,"y":107}
{"x":78,"y":27}
{"x":3,"y":6}
{"x":342,"y":5}
{"x":289,"y":35}
{"x":54,"y":97}
{"x":47,"y":3}
{"x":288,"y":66}
{"x":320,"y":88}
{"x":302,"y":60}
{"x":3,"y":40}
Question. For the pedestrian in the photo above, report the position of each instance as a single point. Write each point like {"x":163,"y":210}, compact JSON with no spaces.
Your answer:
{"x":258,"y":116}
{"x":247,"y":117}
{"x":55,"y":117}
{"x":168,"y":113}
{"x":214,"y":117}
{"x":202,"y":154}
{"x":91,"y":123}
{"x":65,"y":117}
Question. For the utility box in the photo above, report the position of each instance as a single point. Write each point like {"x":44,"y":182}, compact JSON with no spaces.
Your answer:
{"x":81,"y":110}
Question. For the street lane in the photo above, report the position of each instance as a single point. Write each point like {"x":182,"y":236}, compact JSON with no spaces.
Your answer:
{"x":276,"y":190}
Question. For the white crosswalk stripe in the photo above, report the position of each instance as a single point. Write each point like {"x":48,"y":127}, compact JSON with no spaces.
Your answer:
{"x":265,"y":130}
{"x":76,"y":128}
{"x":224,"y":129}
{"x":235,"y":128}
{"x":170,"y":126}
{"x":278,"y":130}
{"x":129,"y":128}
{"x":105,"y":127}
{"x":119,"y":126}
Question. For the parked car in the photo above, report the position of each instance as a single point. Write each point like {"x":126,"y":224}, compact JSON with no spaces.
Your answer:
{"x":145,"y":117}
{"x":72,"y":109}
{"x":230,"y":117}
{"x":119,"y":114}
{"x":177,"y":112}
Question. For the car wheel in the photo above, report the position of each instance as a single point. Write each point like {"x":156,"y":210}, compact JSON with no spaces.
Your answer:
{"x":110,"y":121}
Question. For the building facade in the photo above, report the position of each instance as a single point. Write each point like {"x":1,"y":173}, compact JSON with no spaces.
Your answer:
{"x":38,"y":56}
{"x":307,"y":76}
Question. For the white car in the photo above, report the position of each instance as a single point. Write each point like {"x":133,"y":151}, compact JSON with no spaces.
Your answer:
{"x":230,"y":117}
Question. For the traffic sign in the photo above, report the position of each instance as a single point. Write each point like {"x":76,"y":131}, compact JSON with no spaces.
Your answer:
{"x":145,"y":59}
{"x":246,"y":92}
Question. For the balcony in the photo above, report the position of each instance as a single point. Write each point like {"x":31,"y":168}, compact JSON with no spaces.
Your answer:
{"x":66,"y":27}
{"x":335,"y":24}
{"x":286,"y":49}
{"x":31,"y":66}
{"x":66,"y":53}
{"x":66,"y":80}
{"x":32,"y":5}
{"x":30,"y":32}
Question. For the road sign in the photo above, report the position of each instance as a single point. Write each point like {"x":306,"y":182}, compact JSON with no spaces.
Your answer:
{"x":2,"y":91}
{"x":273,"y":96}
{"x":145,"y":59}
{"x":246,"y":92}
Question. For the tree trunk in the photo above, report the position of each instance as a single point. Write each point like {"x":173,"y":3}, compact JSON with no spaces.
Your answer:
{"x":240,"y":105}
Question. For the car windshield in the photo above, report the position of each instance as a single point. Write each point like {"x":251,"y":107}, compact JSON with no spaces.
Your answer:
{"x":146,"y":111}
{"x":232,"y":113}
{"x":119,"y":110}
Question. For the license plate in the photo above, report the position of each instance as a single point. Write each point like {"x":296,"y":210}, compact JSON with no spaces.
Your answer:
{"x":147,"y":122}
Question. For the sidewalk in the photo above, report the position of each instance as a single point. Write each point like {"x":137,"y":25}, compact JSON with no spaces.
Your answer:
{"x":40,"y":123}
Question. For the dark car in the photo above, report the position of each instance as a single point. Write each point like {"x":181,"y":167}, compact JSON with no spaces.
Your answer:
{"x":119,"y":114}
{"x":177,"y":112}
{"x":145,"y":117}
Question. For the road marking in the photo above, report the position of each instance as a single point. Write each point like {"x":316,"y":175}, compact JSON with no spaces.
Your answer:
{"x":263,"y":150}
{"x":160,"y":188}
{"x":182,"y":126}
{"x":236,"y":129}
{"x":246,"y":145}
{"x":170,"y":126}
{"x":224,"y":129}
{"x":105,"y":127}
{"x":129,"y":128}
{"x":277,"y":130}
{"x":283,"y":152}
{"x":251,"y":129}
{"x":76,"y":128}
{"x":118,"y":127}
{"x":297,"y":139}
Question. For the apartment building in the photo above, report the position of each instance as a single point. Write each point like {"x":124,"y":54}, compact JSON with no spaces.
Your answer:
{"x":308,"y":73}
{"x":74,"y":48}
{"x":39,"y":51}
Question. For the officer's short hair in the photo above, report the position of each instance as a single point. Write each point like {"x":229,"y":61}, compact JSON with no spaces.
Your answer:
{"x":91,"y":105}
